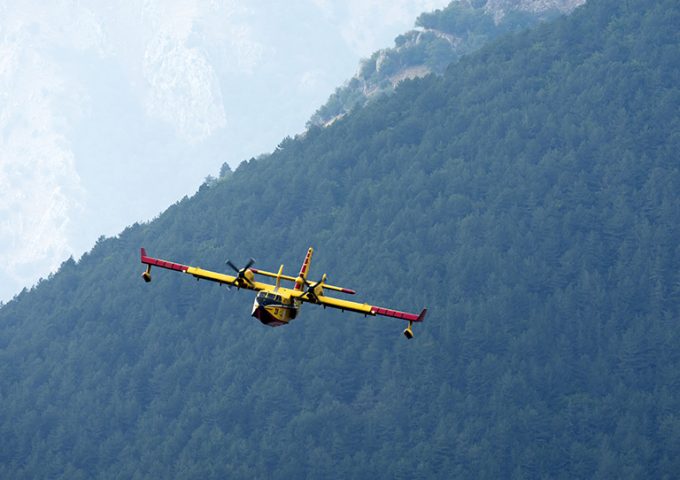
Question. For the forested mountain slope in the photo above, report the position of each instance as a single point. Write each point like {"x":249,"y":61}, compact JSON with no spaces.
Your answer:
{"x":529,"y":198}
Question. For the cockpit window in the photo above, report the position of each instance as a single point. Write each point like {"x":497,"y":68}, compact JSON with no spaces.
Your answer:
{"x":266,"y":298}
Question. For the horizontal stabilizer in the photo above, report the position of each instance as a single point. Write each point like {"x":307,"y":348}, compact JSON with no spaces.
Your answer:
{"x":293,"y":279}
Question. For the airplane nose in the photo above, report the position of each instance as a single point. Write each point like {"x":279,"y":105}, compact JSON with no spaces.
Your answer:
{"x":257,"y":308}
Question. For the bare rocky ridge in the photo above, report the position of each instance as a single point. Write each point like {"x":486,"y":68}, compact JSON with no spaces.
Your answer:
{"x":439,"y":39}
{"x":499,"y":8}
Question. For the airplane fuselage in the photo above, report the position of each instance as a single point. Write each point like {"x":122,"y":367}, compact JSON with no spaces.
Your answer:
{"x":274,"y":308}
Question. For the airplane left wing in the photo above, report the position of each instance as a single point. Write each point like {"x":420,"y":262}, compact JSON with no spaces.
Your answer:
{"x":364,"y":308}
{"x":201,"y":274}
{"x":367,"y":309}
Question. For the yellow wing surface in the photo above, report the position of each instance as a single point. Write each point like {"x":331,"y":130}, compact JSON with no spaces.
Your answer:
{"x":364,"y":308}
{"x":243,"y":280}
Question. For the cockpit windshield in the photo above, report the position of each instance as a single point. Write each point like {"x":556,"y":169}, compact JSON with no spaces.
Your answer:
{"x":268,"y":298}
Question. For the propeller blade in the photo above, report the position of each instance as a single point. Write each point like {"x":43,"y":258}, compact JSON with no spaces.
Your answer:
{"x":241,"y":272}
{"x":309,"y":292}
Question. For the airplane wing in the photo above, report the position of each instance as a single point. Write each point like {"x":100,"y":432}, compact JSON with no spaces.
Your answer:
{"x":364,"y":308}
{"x":199,"y":273}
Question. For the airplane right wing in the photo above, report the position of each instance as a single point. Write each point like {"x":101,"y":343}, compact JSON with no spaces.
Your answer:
{"x":240,"y":281}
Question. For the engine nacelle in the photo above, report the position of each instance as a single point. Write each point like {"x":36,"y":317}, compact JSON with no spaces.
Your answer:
{"x":249,"y":275}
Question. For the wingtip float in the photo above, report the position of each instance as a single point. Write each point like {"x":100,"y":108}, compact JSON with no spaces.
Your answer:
{"x":275,"y":305}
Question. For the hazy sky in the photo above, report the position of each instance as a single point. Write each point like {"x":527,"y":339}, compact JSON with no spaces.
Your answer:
{"x":112,"y":111}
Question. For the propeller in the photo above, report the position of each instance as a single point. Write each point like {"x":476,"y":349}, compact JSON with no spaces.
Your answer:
{"x":241,"y":272}
{"x":309,"y":292}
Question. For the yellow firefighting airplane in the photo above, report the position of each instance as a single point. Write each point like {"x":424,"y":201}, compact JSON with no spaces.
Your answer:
{"x":275,"y":305}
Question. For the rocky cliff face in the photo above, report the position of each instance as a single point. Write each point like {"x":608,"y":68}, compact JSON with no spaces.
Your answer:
{"x":499,"y":8}
{"x":439,"y":39}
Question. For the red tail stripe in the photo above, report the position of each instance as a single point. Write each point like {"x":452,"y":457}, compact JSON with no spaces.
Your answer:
{"x":303,"y":270}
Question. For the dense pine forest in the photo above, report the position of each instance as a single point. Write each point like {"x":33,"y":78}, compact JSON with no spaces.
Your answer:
{"x":529,"y":197}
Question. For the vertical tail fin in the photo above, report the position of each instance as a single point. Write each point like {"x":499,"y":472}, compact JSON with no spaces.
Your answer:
{"x":304,"y":270}
{"x":278,"y":276}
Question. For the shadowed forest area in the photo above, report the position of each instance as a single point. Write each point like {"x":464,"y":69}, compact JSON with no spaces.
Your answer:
{"x":528,"y":197}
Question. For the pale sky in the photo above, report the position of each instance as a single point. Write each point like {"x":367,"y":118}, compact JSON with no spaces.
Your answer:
{"x":97,"y":97}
